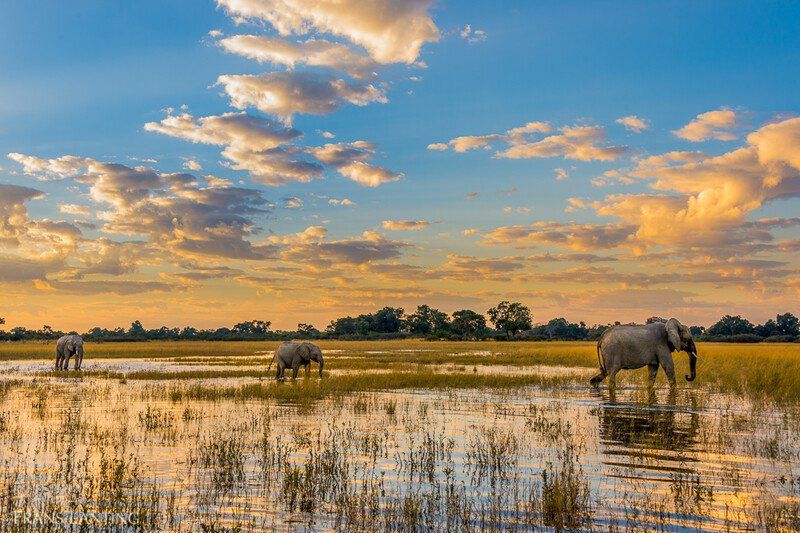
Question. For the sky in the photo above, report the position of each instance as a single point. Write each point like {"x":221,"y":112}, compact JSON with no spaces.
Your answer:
{"x":206,"y":162}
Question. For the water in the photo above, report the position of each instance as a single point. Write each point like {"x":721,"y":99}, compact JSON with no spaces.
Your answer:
{"x":411,"y":460}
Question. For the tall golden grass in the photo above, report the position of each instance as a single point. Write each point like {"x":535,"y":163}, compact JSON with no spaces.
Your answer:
{"x":760,"y":370}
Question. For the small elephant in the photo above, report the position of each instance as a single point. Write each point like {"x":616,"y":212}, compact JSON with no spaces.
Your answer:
{"x":651,"y":345}
{"x":295,"y":355}
{"x":66,"y":347}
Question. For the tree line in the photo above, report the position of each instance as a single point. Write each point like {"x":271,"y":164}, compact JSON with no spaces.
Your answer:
{"x":509,"y":321}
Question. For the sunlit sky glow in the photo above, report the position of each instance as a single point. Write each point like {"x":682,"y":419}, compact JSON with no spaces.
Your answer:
{"x":191,"y":162}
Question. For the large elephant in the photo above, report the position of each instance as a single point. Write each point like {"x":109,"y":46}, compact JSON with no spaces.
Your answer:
{"x":66,"y":347}
{"x":651,"y":345}
{"x":296,"y":354}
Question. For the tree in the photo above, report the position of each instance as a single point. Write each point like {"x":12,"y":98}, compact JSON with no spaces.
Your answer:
{"x":510,"y":317}
{"x":2,"y":321}
{"x":345,"y":325}
{"x":731,"y":325}
{"x":253,"y":327}
{"x":137,"y":330}
{"x":468,"y":324}
{"x":767,"y":329}
{"x":307,"y":329}
{"x":788,"y":324}
{"x":387,"y":320}
{"x":697,"y":331}
{"x":654,"y":319}
{"x":427,"y":320}
{"x":561,"y":329}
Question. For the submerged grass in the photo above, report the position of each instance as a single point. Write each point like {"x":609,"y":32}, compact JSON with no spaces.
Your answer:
{"x":313,"y":389}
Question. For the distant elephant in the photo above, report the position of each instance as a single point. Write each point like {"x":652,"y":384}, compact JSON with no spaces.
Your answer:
{"x":296,"y":354}
{"x":651,"y":345}
{"x":66,"y":347}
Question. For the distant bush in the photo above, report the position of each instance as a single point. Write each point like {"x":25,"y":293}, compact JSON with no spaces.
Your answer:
{"x":782,"y":338}
{"x":742,"y":337}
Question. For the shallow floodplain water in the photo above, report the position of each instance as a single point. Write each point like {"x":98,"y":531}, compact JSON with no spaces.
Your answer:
{"x":567,"y":458}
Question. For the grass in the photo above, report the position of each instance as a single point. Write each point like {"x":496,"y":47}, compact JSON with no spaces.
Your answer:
{"x":763,"y":370}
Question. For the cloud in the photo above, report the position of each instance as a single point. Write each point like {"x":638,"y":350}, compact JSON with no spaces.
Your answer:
{"x":582,"y":143}
{"x":471,"y":196}
{"x":74,"y":209}
{"x":575,"y":142}
{"x":404,"y":225}
{"x":565,"y":235}
{"x":342,"y":202}
{"x":311,"y":249}
{"x":470,"y":232}
{"x":390,"y":31}
{"x":312,"y":52}
{"x":292,"y":202}
{"x":257,"y":145}
{"x":285,"y":94}
{"x":472,"y":36}
{"x":192,"y":164}
{"x":710,"y":125}
{"x":351,"y":160}
{"x":704,"y":201}
{"x":561,"y":174}
{"x":118,"y":287}
{"x":469,"y":268}
{"x":175,"y":211}
{"x":49,"y":169}
{"x":634,"y":123}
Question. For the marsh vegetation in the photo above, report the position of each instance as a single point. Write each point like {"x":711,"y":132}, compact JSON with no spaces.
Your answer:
{"x":398,"y":436}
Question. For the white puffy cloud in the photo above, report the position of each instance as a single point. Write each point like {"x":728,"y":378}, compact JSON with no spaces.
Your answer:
{"x":403,"y":225}
{"x":634,"y":123}
{"x":257,"y":145}
{"x":48,"y":169}
{"x":287,"y":93}
{"x":472,"y":36}
{"x":390,"y":31}
{"x":192,"y":164}
{"x":352,"y":161}
{"x":582,"y":143}
{"x":230,"y":129}
{"x":312,"y":52}
{"x":708,"y":198}
{"x":574,"y":142}
{"x":342,"y":202}
{"x":710,"y":125}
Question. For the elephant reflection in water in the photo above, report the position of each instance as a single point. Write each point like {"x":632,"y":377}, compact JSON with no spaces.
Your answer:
{"x":654,"y":426}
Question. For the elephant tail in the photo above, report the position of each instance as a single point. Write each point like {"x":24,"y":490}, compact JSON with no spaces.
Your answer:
{"x":600,"y":359}
{"x":272,"y":361}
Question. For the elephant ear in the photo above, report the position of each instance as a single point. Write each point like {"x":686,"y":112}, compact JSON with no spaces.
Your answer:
{"x":305,"y":352}
{"x":674,"y":334}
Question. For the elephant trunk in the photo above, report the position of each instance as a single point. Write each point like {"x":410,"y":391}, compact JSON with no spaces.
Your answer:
{"x":692,"y":366}
{"x":321,"y":364}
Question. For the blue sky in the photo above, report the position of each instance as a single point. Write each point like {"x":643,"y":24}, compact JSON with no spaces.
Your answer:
{"x":84,"y":78}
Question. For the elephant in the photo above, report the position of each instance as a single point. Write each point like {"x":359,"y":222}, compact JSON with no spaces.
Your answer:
{"x":651,"y":345}
{"x":66,"y":347}
{"x":295,"y":355}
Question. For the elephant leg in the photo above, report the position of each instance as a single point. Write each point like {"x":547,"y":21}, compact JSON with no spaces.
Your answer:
{"x":295,"y":369}
{"x":78,"y":362}
{"x":65,"y":363}
{"x":669,"y":369}
{"x":653,"y":371}
{"x":612,"y":378}
{"x":279,"y":370}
